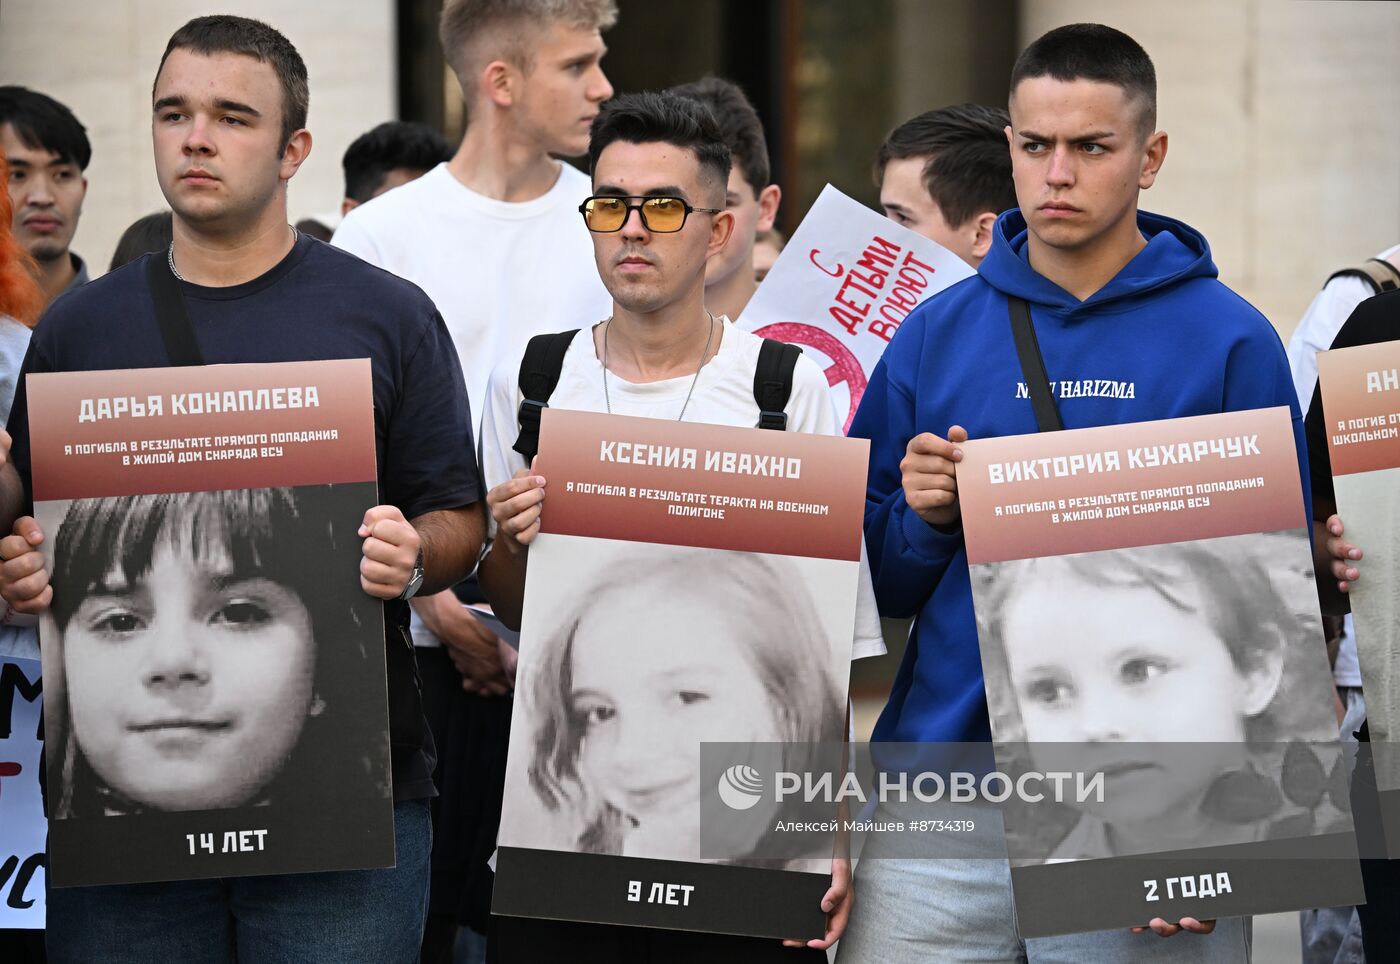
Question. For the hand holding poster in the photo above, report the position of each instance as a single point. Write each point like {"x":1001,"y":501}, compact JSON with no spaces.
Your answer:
{"x":22,"y":826}
{"x":841,"y":287}
{"x":1147,"y":617}
{"x":690,"y":584}
{"x":215,"y":684}
{"x":1361,"y":399}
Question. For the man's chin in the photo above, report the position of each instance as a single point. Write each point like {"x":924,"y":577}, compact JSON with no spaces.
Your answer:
{"x":571,"y":147}
{"x":198,"y":213}
{"x":1062,"y":237}
{"x":636,"y":299}
{"x":47,"y":250}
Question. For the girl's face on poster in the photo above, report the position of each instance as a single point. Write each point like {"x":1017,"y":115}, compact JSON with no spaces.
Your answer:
{"x":1099,"y":673}
{"x":646,"y":702}
{"x":189,"y":686}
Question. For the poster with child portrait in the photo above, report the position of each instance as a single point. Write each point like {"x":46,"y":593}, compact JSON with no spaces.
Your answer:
{"x":1361,"y":401}
{"x":214,"y":685}
{"x":1149,"y":625}
{"x":691,"y":585}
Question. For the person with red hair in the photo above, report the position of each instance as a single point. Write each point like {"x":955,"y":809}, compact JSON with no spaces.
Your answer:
{"x":21,"y":301}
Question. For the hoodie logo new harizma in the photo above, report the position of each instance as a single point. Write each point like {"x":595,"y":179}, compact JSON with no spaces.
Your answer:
{"x":1085,"y":388}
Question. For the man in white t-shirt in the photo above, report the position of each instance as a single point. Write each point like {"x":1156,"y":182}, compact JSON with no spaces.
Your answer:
{"x":660,"y":168}
{"x":494,"y":238}
{"x":1333,"y":934}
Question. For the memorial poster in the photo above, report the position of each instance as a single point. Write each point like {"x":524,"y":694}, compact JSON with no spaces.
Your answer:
{"x":1361,"y":400}
{"x":1148,"y":622}
{"x":215,"y":698}
{"x":691,"y":584}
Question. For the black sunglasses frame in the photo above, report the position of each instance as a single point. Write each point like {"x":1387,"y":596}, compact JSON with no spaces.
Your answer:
{"x":641,"y":200}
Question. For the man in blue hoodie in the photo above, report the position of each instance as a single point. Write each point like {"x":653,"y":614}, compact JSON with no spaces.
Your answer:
{"x":1133,"y":326}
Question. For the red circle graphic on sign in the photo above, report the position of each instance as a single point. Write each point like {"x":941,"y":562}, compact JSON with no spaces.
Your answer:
{"x":844,"y":367}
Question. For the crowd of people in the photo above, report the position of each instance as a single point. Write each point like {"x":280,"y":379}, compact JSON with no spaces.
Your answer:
{"x":449,"y":261}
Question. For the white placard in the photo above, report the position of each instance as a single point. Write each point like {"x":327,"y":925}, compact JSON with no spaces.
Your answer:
{"x":842,"y":286}
{"x":22,"y":824}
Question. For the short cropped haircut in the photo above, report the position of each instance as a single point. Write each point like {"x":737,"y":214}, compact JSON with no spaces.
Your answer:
{"x":391,"y":145}
{"x":1091,"y":51}
{"x":969,"y":165}
{"x":465,"y":22}
{"x":661,"y":117}
{"x":738,"y":125}
{"x":42,"y":123}
{"x":227,"y":34}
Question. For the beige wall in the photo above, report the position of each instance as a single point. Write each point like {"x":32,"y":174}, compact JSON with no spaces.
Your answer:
{"x":99,"y":57}
{"x":1284,"y":116}
{"x":1284,"y":126}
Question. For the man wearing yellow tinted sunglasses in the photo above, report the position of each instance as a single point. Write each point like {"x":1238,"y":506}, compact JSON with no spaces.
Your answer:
{"x":660,"y":171}
{"x":660,"y":214}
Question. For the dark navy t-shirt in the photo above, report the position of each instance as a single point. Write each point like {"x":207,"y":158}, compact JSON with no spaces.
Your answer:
{"x":317,"y":303}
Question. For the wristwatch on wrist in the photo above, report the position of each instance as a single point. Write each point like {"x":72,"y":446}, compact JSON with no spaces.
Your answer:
{"x":416,"y":579}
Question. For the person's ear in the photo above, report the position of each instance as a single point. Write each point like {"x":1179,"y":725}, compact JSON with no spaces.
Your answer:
{"x":768,"y":200}
{"x":498,"y":83}
{"x":982,"y":227}
{"x":1154,"y":152}
{"x":347,"y":205}
{"x":298,"y":150}
{"x":720,"y":230}
{"x":1262,"y":681}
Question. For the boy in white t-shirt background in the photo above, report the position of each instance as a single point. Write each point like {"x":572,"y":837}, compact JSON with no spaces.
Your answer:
{"x":493,"y":236}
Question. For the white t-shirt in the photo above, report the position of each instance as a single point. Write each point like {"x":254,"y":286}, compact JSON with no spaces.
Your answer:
{"x":723,"y":396}
{"x":1315,"y":332}
{"x":499,"y":272}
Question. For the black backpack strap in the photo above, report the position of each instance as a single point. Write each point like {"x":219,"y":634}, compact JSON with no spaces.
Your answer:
{"x":1379,"y":273}
{"x":772,"y":382}
{"x":1047,"y":416}
{"x":539,"y":374}
{"x":175,"y":328}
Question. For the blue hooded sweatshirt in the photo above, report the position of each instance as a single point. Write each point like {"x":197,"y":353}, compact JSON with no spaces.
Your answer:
{"x":1163,"y":339}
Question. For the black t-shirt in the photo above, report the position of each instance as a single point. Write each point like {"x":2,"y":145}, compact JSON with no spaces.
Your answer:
{"x":317,"y":303}
{"x":1375,"y":320}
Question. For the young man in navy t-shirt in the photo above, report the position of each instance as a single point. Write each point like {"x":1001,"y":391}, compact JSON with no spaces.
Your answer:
{"x":229,"y":113}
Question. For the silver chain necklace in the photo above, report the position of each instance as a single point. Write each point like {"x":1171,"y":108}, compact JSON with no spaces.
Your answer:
{"x":709,"y":337}
{"x":170,"y":252}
